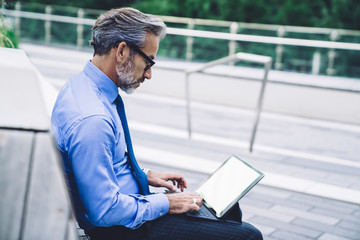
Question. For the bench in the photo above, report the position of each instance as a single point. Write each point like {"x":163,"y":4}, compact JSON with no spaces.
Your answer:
{"x":34,"y":202}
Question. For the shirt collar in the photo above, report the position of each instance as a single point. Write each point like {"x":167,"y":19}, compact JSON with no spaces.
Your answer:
{"x":103,"y":82}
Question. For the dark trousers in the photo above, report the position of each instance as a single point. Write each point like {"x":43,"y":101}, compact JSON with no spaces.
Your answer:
{"x":173,"y":227}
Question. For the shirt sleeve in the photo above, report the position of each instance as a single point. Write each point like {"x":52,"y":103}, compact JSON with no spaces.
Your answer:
{"x":90,"y":146}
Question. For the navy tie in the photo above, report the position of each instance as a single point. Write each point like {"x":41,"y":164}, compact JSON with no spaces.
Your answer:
{"x":140,"y":176}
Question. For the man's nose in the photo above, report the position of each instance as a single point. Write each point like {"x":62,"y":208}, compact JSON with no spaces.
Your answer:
{"x":148,"y":74}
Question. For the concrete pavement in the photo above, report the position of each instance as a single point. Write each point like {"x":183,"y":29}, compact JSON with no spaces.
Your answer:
{"x":307,"y":193}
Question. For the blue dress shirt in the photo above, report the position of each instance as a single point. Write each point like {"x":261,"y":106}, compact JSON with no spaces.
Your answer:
{"x":89,"y":134}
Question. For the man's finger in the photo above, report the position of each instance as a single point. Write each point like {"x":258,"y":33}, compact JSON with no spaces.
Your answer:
{"x":183,"y":182}
{"x":170,"y":186}
{"x":194,"y":207}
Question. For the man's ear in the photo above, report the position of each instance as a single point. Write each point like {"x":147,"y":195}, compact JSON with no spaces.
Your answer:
{"x":122,"y":52}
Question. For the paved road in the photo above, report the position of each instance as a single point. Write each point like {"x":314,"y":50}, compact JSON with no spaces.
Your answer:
{"x":312,"y":184}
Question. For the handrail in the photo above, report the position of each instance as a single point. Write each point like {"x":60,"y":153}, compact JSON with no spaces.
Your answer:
{"x":267,"y":61}
{"x":200,"y":33}
{"x":49,"y":17}
{"x":264,"y":39}
{"x":260,"y":26}
{"x":222,"y":23}
{"x":233,"y":37}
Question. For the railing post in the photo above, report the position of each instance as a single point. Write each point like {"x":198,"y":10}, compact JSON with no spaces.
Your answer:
{"x":232,"y":44}
{"x":190,"y":42}
{"x":80,"y":28}
{"x":279,"y":50}
{"x":188,"y":109}
{"x":48,"y":24}
{"x":17,"y":19}
{"x":315,"y":69}
{"x":267,"y":67}
{"x":332,"y":54}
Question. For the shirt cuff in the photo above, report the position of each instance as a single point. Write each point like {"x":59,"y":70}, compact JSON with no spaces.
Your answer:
{"x":159,"y":204}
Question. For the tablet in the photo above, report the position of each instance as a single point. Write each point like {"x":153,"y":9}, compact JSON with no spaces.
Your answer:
{"x":228,"y":184}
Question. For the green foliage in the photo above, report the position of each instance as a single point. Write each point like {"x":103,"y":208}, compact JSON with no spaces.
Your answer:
{"x":343,"y":14}
{"x":7,"y":37}
{"x":32,"y":29}
{"x":94,"y":4}
{"x":314,"y":13}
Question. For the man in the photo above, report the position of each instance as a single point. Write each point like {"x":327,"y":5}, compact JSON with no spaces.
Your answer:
{"x":109,"y":192}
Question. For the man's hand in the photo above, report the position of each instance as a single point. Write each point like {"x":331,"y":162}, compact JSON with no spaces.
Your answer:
{"x":183,"y":202}
{"x":160,"y":179}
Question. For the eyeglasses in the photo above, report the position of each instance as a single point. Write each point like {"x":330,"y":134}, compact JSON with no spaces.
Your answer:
{"x":146,"y":57}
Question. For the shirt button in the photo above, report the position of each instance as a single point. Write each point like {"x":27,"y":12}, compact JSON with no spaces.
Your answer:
{"x":161,"y":213}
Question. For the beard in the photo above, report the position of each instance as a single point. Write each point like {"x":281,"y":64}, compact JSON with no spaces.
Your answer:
{"x":127,"y":80}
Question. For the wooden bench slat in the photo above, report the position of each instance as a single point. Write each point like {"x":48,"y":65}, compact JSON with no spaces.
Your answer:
{"x":48,"y":211}
{"x":15,"y":151}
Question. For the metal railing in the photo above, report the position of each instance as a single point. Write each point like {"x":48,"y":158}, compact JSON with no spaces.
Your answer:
{"x":233,"y":37}
{"x":266,"y":61}
{"x":281,"y":31}
{"x":47,"y":17}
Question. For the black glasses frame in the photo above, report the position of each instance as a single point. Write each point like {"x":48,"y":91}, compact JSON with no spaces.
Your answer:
{"x":146,"y":57}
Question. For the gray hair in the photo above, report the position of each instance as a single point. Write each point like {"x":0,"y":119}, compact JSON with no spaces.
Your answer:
{"x":124,"y":24}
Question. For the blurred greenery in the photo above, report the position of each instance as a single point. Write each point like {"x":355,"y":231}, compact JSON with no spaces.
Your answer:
{"x":94,"y":4}
{"x":313,"y":13}
{"x":9,"y":40}
{"x":7,"y":36}
{"x":342,"y":14}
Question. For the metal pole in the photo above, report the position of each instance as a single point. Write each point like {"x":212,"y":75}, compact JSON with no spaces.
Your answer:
{"x":190,"y":42}
{"x":188,"y":110}
{"x":279,"y":50}
{"x":232,"y":44}
{"x":48,"y":24}
{"x":80,"y":28}
{"x":332,"y":54}
{"x":316,"y":63}
{"x":17,"y":19}
{"x":259,"y":104}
